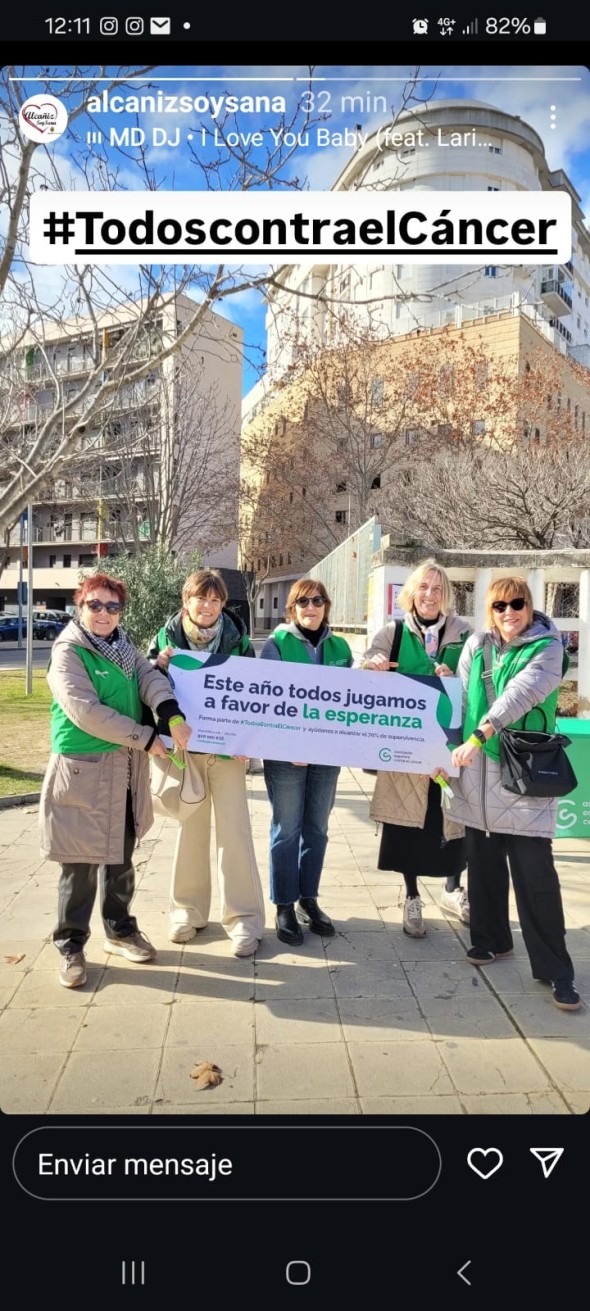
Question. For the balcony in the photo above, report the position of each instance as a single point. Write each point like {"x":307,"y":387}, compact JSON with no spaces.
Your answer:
{"x":556,"y":297}
{"x":563,"y":332}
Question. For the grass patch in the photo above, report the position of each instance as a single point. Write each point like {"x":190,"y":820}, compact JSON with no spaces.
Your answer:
{"x":24,"y":745}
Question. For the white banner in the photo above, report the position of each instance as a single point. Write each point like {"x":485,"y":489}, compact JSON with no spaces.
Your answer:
{"x":432,"y":227}
{"x":316,"y":714}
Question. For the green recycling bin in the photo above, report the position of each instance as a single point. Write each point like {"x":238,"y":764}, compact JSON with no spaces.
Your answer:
{"x":573,"y":811}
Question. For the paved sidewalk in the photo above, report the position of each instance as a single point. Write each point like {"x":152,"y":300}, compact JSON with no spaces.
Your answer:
{"x":370,"y":1022}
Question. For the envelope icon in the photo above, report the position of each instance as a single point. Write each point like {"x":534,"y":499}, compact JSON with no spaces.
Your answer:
{"x":160,"y":26}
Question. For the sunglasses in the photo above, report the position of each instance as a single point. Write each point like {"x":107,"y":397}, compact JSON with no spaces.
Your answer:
{"x":111,"y":607}
{"x":518,"y":603}
{"x":304,"y":601}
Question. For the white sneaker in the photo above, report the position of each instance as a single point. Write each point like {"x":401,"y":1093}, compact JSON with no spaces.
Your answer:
{"x":412,"y":922}
{"x":456,"y":903}
{"x":182,"y":933}
{"x":245,"y":946}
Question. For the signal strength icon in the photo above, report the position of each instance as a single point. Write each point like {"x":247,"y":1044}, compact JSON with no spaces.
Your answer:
{"x":471,"y":29}
{"x":547,"y":1157}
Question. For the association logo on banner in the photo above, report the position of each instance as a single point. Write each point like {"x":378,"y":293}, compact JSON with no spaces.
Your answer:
{"x":43,"y":119}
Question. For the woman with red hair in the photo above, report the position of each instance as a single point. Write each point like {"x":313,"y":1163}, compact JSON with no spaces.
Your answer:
{"x":96,"y":797}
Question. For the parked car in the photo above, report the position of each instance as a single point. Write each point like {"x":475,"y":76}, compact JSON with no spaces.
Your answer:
{"x":50,"y":624}
{"x":9,"y":628}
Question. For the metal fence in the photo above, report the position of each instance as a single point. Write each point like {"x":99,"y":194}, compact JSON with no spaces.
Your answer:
{"x":345,"y":574}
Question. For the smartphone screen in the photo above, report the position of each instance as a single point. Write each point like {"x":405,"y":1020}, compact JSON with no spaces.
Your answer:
{"x":284,"y":312}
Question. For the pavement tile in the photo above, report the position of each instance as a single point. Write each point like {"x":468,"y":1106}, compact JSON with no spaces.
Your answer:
{"x":369,"y":979}
{"x":93,"y":1081}
{"x":445,"y":980}
{"x":411,"y":1106}
{"x":290,"y":976}
{"x":7,"y":993}
{"x":352,"y":945}
{"x":538,"y":1017}
{"x":123,"y":1028}
{"x":39,"y":1030}
{"x":207,"y":1019}
{"x":389,"y":1068}
{"x":381,"y":1019}
{"x":492,"y":1065}
{"x":327,"y":1106}
{"x":311,"y":1020}
{"x":540,"y":1103}
{"x":397,"y":1011}
{"x":201,"y":1108}
{"x":468,"y":1016}
{"x":236,"y":1061}
{"x":567,"y":1059}
{"x":27,"y":1081}
{"x":306,"y":1070}
{"x":42,"y":988}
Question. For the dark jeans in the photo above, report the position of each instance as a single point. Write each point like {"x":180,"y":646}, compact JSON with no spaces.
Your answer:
{"x":491,"y":859}
{"x":302,"y":797}
{"x":77,"y":894}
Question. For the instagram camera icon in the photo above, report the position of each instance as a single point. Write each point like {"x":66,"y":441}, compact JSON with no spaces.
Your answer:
{"x":109,"y":26}
{"x":134,"y":26}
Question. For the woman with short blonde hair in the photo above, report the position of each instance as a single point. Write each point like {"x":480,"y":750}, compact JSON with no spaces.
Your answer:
{"x":418,"y":839}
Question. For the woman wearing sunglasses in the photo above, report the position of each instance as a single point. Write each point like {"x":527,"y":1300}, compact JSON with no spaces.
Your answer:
{"x":301,"y":795}
{"x":506,"y":833}
{"x":96,"y":797}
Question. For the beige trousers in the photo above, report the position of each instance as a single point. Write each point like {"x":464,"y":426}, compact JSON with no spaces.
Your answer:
{"x":240,"y":890}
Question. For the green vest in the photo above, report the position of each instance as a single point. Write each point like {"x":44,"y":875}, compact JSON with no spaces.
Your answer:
{"x":113,"y":689}
{"x":336,"y":650}
{"x":513,"y":660}
{"x":413,"y":659}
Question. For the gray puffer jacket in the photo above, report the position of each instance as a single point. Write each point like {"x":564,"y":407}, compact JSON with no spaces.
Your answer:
{"x":479,"y":800}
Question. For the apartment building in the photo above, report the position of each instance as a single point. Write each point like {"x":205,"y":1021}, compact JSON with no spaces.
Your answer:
{"x":157,"y":449}
{"x":512,"y":311}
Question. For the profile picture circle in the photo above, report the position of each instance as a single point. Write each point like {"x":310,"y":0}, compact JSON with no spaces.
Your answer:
{"x":43,"y":118}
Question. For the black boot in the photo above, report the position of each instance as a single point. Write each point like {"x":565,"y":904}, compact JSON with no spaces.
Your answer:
{"x":288,"y":929}
{"x":317,"y":920}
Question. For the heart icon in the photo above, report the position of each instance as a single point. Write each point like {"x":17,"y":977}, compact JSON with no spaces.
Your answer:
{"x":486,"y":1168}
{"x":42,"y":117}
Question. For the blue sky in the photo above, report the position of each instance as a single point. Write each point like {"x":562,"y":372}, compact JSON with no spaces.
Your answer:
{"x":528,"y":92}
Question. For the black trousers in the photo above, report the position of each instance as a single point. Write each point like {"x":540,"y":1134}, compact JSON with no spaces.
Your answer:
{"x":491,"y":859}
{"x":77,"y":894}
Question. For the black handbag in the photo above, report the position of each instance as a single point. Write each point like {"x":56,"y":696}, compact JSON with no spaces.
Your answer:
{"x":393,"y":655}
{"x":532,"y":764}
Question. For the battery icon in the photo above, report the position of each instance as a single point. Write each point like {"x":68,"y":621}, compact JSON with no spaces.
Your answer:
{"x":539,"y":27}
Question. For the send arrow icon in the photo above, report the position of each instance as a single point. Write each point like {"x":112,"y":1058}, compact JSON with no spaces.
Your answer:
{"x":548,"y":1157}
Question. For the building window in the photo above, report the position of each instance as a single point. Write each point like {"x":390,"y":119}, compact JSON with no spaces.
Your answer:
{"x":341,"y":516}
{"x":340,"y":487}
{"x":478,"y":427}
{"x":261,"y":603}
{"x":275,"y":602}
{"x":491,"y":271}
{"x":493,"y":188}
{"x":495,"y":150}
{"x":411,"y":436}
{"x":376,"y":483}
{"x":345,"y":282}
{"x":280,"y":559}
{"x":376,"y":440}
{"x":67,"y":561}
{"x":52,"y":560}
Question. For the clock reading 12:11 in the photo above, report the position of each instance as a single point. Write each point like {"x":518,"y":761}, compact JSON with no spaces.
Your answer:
{"x":67,"y":26}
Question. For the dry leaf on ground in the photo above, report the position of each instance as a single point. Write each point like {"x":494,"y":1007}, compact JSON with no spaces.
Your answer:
{"x":206,"y":1074}
{"x":14,"y":960}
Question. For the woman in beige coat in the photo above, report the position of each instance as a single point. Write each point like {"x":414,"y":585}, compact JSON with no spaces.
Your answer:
{"x":96,"y":799}
{"x":418,"y":839}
